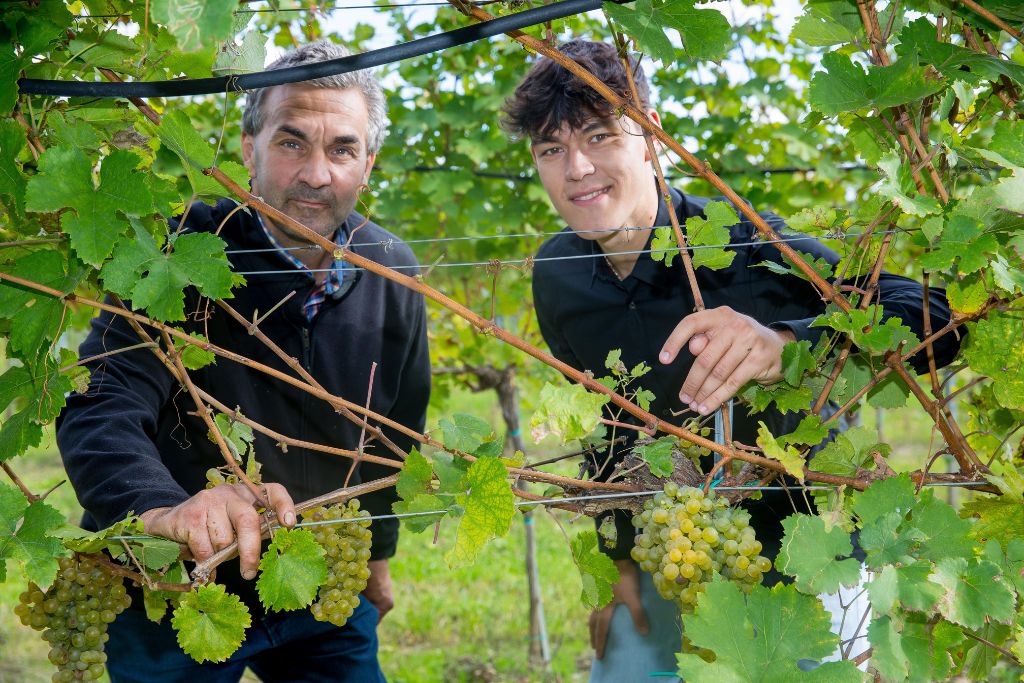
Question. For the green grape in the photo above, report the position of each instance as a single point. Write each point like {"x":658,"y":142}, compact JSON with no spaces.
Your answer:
{"x":73,"y":615}
{"x":685,"y":537}
{"x":347,"y":545}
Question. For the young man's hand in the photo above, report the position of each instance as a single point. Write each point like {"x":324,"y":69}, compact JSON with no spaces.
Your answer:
{"x":378,"y":587}
{"x":625,"y":592}
{"x":729,"y":349}
{"x":211,"y":519}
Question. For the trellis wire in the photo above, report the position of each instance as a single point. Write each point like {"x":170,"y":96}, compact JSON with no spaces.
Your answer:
{"x":518,"y":235}
{"x":325,"y":9}
{"x":577,"y":499}
{"x":519,"y":261}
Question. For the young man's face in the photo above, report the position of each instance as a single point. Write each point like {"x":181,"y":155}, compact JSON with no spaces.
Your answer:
{"x":310,"y":157}
{"x":599,"y":176}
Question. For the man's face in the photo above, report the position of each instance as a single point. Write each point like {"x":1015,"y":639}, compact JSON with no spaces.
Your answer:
{"x":310,"y":157}
{"x":598,"y":176}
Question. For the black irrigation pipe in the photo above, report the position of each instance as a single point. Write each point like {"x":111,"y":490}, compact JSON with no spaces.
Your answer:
{"x":306,"y":72}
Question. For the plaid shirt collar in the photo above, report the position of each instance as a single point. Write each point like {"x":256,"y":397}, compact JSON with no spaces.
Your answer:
{"x":330,"y":284}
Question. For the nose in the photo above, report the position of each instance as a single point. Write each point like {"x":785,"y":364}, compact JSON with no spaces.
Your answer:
{"x":316,"y":171}
{"x":577,"y":165}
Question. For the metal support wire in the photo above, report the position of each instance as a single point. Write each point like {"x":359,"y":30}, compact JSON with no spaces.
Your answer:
{"x":571,"y":499}
{"x":307,"y":72}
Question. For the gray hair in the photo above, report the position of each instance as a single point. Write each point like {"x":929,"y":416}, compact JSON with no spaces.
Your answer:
{"x":363,"y":80}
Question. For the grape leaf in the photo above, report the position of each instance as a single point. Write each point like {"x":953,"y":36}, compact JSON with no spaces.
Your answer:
{"x":705,"y":32}
{"x":760,"y":638}
{"x":415,"y":476}
{"x":37,"y":318}
{"x":155,"y":280}
{"x":251,"y":55}
{"x":944,"y":533}
{"x":820,"y":265}
{"x":787,"y":455}
{"x":664,"y":246}
{"x":988,"y":353}
{"x":192,"y":356}
{"x":597,"y":571}
{"x":796,"y":360}
{"x":809,"y":554}
{"x":489,"y":510}
{"x":416,"y":505}
{"x":974,"y":592}
{"x":12,"y":182}
{"x":887,"y":541}
{"x":968,"y":295}
{"x":155,"y":602}
{"x":658,"y":455}
{"x":291,"y":570}
{"x":917,"y":41}
{"x":810,"y":432}
{"x":999,"y":518}
{"x":465,"y":432}
{"x":866,"y":332}
{"x":566,"y":411}
{"x":238,"y":436}
{"x":895,"y":184}
{"x":178,"y":134}
{"x":195,"y":24}
{"x":703,"y":233}
{"x":845,"y":86}
{"x":963,"y":238}
{"x":97,"y":219}
{"x":25,"y":536}
{"x":848,"y":452}
{"x":827,"y":22}
{"x":887,"y":649}
{"x":1010,"y":561}
{"x":929,"y":649}
{"x":210,"y":623}
{"x":907,"y":585}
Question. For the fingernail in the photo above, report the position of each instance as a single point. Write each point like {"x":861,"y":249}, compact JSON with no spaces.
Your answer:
{"x":665,"y":357}
{"x":702,"y":409}
{"x":685,"y":398}
{"x":249,"y":574}
{"x":289,"y":518}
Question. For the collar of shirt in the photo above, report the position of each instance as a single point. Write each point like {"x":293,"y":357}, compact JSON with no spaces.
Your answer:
{"x":645,"y":269}
{"x":337,"y":273}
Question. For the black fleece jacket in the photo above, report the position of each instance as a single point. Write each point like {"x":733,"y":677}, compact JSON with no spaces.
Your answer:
{"x":129,"y":443}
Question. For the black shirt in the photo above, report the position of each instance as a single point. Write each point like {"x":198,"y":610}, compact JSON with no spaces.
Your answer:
{"x":584,"y":311}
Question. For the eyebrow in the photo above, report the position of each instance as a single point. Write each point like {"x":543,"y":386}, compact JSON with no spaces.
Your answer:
{"x":589,"y":127}
{"x":338,"y":140}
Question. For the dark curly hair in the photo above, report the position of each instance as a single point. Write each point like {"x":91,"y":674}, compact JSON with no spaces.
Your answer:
{"x":550,"y":95}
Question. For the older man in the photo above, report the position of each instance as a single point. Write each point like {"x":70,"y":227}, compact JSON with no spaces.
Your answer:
{"x":132,"y":443}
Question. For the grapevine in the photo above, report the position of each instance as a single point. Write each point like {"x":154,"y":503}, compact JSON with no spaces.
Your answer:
{"x":73,"y":615}
{"x":687,"y":537}
{"x":346,"y":540}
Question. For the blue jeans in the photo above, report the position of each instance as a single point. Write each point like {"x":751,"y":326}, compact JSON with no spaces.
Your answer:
{"x":632,"y":658}
{"x":280,"y":647}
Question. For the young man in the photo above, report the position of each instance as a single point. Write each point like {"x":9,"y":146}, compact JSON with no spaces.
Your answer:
{"x":609,"y":294}
{"x":133,"y":443}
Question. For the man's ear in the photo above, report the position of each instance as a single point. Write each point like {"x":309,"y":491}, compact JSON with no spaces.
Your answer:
{"x":249,"y":154}
{"x":370,"y":158}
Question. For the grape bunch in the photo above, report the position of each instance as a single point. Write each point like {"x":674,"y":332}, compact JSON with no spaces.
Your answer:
{"x":686,"y":536}
{"x":347,"y":545}
{"x":73,"y":615}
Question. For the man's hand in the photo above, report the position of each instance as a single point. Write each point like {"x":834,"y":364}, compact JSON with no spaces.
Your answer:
{"x":730,"y":349}
{"x":211,"y":519}
{"x":378,"y":587}
{"x":625,"y":592}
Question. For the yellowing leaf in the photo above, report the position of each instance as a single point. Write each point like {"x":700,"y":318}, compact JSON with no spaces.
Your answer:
{"x":488,"y":510}
{"x":787,"y":455}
